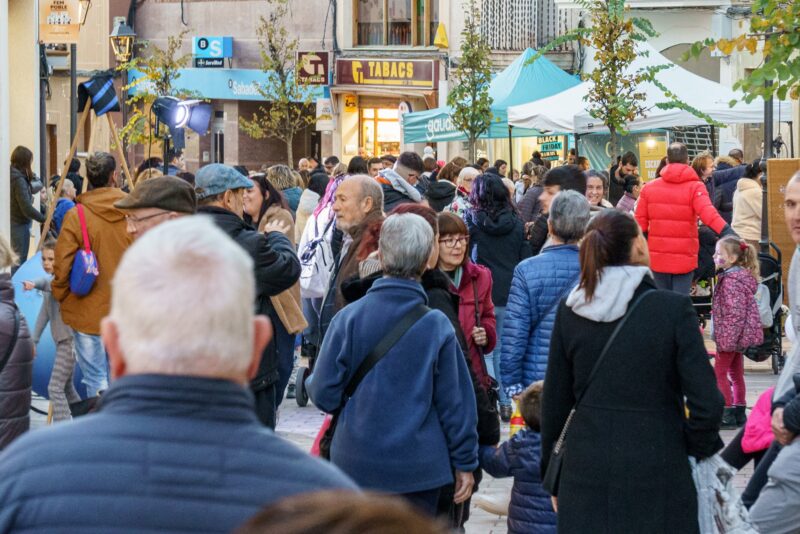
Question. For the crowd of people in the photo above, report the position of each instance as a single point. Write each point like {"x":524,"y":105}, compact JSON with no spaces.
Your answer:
{"x":430,"y":298}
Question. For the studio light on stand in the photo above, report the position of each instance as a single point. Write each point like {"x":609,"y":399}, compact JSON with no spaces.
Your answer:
{"x":176,"y":115}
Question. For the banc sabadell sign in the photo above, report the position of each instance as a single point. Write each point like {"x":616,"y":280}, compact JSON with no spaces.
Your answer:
{"x":221,"y":84}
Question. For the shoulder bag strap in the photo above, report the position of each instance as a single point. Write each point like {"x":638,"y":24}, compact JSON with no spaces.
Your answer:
{"x":383,"y":346}
{"x":13,"y":341}
{"x":597,"y":364}
{"x":85,"y":231}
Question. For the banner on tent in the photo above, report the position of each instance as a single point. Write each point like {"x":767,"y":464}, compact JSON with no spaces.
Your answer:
{"x":551,"y":147}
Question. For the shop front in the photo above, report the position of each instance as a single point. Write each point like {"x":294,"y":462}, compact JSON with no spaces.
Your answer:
{"x":372,"y":94}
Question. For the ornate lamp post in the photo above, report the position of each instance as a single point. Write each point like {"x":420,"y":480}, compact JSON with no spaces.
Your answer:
{"x":122,"y":38}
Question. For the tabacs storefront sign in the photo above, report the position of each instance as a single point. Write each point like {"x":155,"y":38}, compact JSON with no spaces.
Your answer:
{"x":313,"y":67}
{"x":413,"y":73}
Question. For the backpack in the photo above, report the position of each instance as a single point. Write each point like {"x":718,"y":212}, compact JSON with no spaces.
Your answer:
{"x":764,"y":306}
{"x":316,"y":258}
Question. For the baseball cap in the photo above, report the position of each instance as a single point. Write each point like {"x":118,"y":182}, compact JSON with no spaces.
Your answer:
{"x":165,"y":192}
{"x":217,"y":178}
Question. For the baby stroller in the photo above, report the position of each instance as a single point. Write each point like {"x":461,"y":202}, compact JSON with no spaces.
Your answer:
{"x":704,"y":275}
{"x":772,"y":278}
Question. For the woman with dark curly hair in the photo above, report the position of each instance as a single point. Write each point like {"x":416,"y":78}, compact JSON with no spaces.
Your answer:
{"x":497,"y":241}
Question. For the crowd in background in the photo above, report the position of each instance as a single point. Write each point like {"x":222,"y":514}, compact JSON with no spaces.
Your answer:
{"x":430,"y":298}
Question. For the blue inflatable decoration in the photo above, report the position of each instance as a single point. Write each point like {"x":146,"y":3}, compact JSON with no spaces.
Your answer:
{"x":29,"y":303}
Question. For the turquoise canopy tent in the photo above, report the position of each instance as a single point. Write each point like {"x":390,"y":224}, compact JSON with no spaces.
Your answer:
{"x":516,"y":84}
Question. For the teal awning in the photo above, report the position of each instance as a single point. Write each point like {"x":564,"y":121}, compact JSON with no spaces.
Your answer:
{"x":516,"y":84}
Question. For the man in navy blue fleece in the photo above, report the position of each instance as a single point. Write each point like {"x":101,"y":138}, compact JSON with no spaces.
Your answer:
{"x":177,"y":446}
{"x":412,"y":421}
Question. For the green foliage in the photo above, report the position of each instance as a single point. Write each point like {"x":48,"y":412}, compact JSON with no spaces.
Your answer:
{"x":469,"y":96}
{"x":159,"y":67}
{"x":615,"y":97}
{"x":775,"y":23}
{"x":289,"y":111}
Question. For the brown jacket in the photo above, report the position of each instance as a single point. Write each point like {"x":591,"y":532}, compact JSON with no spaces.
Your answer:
{"x":109,"y":239}
{"x":287,"y":304}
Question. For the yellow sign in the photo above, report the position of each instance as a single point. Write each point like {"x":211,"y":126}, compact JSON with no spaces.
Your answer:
{"x":59,"y":21}
{"x":441,"y":37}
{"x":350,"y":104}
{"x":651,"y":151}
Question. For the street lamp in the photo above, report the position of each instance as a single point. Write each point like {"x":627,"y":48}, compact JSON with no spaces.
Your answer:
{"x":84,"y":10}
{"x":122,"y":38}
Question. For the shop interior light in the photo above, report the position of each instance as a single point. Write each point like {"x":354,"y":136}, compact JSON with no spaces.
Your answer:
{"x":651,"y":142}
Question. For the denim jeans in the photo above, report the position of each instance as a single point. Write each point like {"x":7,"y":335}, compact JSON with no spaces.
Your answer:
{"x":20,"y":242}
{"x":493,"y":358}
{"x":311,"y":309}
{"x":93,"y":361}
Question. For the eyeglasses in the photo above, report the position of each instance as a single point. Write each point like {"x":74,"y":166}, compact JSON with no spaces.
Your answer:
{"x":136,"y":220}
{"x":451,"y":242}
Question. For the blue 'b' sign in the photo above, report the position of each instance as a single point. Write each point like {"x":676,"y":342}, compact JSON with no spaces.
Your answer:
{"x":212,"y":47}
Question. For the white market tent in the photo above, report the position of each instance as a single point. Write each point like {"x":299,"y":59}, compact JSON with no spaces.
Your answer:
{"x":566,"y":111}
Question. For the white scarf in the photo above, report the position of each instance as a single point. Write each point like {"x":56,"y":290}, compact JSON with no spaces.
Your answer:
{"x":611,"y":296}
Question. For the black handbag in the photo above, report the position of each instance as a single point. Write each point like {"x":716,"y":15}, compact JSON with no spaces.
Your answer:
{"x":552,"y":475}
{"x":489,"y":417}
{"x":387,"y":342}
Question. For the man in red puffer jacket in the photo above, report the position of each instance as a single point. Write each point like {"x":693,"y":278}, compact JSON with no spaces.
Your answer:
{"x":667,"y":211}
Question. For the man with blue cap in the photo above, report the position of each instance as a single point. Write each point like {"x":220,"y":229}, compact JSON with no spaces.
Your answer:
{"x":220,"y":195}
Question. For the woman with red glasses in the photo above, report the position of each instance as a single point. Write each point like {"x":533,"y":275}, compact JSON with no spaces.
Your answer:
{"x":473,"y":283}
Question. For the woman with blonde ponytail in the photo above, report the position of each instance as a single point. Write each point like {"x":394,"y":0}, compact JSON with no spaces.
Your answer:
{"x":629,"y":435}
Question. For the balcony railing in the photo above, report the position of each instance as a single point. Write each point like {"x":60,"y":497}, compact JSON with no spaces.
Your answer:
{"x":515,"y":25}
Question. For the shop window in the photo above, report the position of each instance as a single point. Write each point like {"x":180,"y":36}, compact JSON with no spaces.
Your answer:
{"x":396,"y":22}
{"x":380,"y":131}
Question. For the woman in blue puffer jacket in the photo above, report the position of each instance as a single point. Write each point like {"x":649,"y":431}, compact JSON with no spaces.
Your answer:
{"x":538,"y":286}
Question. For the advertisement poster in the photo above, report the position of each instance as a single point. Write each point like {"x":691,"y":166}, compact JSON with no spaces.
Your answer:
{"x":59,"y":21}
{"x":651,"y":150}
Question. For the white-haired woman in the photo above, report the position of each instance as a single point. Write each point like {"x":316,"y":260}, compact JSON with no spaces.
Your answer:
{"x":16,"y":356}
{"x":461,"y":204}
{"x":399,"y":409}
{"x":538,"y":286}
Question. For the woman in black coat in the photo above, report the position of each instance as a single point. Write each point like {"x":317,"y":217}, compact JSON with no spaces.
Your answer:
{"x":17,"y":368}
{"x":22,"y":210}
{"x":625,"y":460}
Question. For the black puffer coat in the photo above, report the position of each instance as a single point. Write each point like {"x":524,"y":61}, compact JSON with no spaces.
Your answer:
{"x":16,"y":376}
{"x":276,"y":269}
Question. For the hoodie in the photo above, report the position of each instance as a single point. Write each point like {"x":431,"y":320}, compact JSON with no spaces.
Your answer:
{"x":747,"y":202}
{"x":667,"y":212}
{"x":109,"y":239}
{"x":396,"y":190}
{"x":614,"y":291}
{"x":497,"y":242}
{"x":440,"y":194}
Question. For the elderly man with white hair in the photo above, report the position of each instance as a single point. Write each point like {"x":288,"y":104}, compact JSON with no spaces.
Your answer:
{"x":177,"y":445}
{"x":410,"y":419}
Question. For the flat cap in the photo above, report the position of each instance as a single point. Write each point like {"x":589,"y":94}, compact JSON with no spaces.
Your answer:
{"x":165,"y":192}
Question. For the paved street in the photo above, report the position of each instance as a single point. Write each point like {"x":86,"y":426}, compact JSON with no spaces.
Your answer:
{"x":300,"y":426}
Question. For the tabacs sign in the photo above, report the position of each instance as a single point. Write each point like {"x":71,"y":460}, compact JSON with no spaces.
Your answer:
{"x":409,"y":73}
{"x":313,"y":67}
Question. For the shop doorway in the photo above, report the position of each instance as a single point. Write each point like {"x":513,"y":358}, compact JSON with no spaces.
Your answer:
{"x":380,"y":131}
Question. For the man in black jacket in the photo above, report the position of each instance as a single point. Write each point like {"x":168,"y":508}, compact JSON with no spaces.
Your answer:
{"x":220,"y":194}
{"x":564,"y":178}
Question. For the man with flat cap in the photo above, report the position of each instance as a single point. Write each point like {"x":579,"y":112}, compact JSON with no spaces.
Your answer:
{"x":220,"y":195}
{"x":156,"y":201}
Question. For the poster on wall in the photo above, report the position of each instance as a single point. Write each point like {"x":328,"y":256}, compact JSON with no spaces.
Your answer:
{"x":59,"y":21}
{"x":651,"y":150}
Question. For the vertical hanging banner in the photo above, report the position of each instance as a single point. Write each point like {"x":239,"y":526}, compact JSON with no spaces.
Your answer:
{"x":59,"y":21}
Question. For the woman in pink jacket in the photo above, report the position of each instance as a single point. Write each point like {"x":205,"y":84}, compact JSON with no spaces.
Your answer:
{"x":473,"y":283}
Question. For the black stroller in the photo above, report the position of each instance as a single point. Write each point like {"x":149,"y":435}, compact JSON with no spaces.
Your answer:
{"x":772,"y":278}
{"x":704,"y":275}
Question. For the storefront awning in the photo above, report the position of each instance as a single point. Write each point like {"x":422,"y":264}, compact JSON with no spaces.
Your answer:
{"x":222,"y":84}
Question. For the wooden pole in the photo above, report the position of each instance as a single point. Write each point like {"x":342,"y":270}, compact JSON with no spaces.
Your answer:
{"x":121,"y":152}
{"x":52,"y":207}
